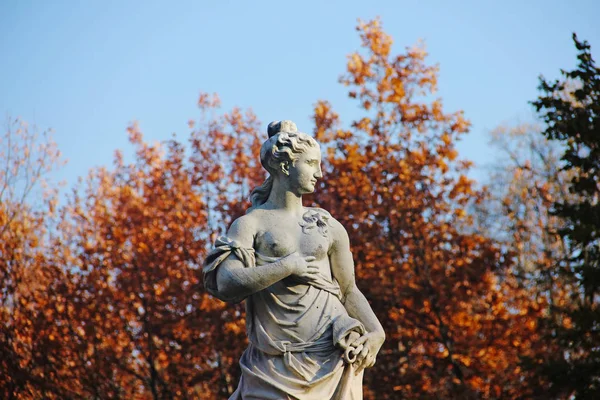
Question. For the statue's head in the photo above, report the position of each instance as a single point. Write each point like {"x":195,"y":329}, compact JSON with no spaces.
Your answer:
{"x":289,"y":155}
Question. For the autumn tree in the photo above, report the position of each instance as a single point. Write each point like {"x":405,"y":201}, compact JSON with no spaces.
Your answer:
{"x":139,"y":320}
{"x":525,"y":181}
{"x":455,"y":319}
{"x":27,"y":206}
{"x":574,"y":122}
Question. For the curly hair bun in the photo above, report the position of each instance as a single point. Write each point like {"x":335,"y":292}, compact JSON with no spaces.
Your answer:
{"x":281,"y":126}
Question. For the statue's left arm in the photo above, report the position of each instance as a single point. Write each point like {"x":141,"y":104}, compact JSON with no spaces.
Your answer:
{"x":357,"y":306}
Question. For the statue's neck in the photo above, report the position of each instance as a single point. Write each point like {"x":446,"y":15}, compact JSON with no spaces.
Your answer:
{"x":283,"y":198}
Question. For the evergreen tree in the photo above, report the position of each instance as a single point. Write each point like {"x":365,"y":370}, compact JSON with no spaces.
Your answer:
{"x":570,"y":108}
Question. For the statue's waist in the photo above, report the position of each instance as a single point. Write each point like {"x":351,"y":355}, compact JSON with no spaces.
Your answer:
{"x":277,"y":345}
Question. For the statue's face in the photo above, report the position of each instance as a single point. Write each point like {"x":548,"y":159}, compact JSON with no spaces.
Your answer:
{"x":304,"y":173}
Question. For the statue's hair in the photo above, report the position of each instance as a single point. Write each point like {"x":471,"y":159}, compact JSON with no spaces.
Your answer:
{"x":284,"y":146}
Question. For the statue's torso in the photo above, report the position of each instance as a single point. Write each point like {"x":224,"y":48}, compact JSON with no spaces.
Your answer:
{"x":292,"y":299}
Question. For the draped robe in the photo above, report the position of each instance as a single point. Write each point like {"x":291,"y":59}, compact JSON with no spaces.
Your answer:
{"x":299,"y":335}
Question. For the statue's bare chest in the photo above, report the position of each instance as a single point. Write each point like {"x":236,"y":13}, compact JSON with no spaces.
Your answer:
{"x":283,"y":237}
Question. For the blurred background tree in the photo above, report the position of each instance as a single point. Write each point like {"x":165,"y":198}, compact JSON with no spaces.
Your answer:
{"x":456,"y":320}
{"x":27,"y":209}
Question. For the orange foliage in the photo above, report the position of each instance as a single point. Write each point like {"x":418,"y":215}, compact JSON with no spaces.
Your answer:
{"x":137,"y":235}
{"x":28,"y":333}
{"x":456,"y":322}
{"x":114,"y":308}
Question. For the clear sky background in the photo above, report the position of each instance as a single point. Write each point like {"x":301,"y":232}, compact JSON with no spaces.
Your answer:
{"x":88,"y":68}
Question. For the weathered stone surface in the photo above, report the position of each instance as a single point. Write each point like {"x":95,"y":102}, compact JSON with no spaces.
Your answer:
{"x":311,"y":331}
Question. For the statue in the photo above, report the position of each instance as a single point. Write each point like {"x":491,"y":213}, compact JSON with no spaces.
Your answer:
{"x":311,"y":331}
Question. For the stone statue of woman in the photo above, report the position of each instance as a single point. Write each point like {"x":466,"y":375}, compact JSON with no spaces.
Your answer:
{"x":311,"y":331}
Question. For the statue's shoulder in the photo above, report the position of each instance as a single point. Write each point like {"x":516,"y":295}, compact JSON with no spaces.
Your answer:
{"x":243,"y":228}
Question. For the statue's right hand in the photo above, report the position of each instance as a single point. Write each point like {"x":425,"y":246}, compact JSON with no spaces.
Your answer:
{"x":300,"y":265}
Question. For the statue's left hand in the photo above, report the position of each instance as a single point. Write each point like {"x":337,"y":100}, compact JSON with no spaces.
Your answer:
{"x":371,"y":342}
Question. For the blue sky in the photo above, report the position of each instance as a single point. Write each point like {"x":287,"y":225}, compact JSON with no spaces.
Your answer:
{"x":87,"y":69}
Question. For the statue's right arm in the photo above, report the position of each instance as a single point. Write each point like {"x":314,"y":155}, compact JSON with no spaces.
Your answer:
{"x":235,"y":280}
